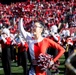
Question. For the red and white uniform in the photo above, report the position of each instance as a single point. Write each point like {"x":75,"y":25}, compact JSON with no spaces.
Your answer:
{"x":6,"y":42}
{"x":37,"y":47}
{"x":23,"y":47}
{"x":5,"y":38}
{"x":56,"y":38}
{"x":22,"y":44}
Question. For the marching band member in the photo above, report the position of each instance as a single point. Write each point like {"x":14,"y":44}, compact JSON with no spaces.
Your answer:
{"x":6,"y":57}
{"x":23,"y":47}
{"x":54,"y":34}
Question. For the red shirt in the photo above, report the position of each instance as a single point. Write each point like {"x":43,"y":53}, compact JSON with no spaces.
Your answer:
{"x":41,"y":47}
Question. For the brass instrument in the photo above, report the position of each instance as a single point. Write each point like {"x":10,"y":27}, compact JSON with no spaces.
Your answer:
{"x":67,"y":48}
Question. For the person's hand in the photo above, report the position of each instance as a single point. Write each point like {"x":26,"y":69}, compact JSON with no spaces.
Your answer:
{"x":51,"y":62}
{"x":45,"y":61}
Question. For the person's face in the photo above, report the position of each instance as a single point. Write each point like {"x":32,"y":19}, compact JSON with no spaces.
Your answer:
{"x":37,"y":29}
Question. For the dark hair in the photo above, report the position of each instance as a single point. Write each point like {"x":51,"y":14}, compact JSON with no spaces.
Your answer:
{"x":41,"y":23}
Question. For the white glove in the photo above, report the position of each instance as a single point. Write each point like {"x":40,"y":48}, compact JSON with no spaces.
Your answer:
{"x":52,"y":33}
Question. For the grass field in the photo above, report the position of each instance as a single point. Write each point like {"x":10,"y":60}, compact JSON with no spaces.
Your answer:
{"x":17,"y":70}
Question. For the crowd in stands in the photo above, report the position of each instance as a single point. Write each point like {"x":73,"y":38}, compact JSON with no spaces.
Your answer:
{"x":61,"y":14}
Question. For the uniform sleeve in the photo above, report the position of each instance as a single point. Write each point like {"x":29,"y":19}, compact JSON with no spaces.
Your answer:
{"x":60,"y":49}
{"x":25,"y":34}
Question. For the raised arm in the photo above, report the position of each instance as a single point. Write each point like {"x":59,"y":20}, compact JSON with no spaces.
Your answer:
{"x":25,"y":34}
